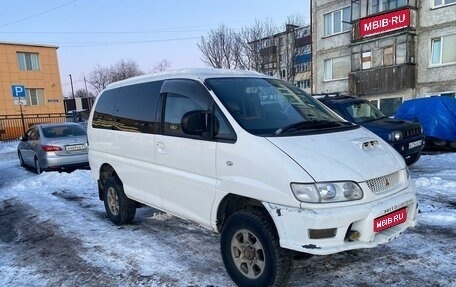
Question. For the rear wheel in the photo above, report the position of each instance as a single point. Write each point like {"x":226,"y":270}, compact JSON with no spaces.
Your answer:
{"x":120,"y":209}
{"x":38,"y":168}
{"x":251,"y":251}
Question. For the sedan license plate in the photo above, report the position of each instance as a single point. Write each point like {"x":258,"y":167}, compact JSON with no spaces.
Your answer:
{"x":75,"y":147}
{"x":415,"y":144}
{"x":390,"y":220}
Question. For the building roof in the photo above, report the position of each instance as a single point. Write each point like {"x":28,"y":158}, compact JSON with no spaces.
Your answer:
{"x":28,"y":44}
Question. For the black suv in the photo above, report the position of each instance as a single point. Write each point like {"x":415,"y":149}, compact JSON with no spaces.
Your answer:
{"x":406,"y":137}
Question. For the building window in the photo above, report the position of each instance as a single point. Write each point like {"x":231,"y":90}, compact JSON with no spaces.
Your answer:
{"x":439,"y":3}
{"x":366,"y":60}
{"x":443,"y":51}
{"x":28,"y":61}
{"x":303,"y":84}
{"x":388,"y":56}
{"x":337,"y":21}
{"x":390,"y":106}
{"x":282,"y":74}
{"x":34,"y":97}
{"x":384,"y":5}
{"x":337,"y":68}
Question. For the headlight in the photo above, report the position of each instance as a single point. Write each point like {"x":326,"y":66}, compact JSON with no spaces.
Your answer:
{"x":327,"y":191}
{"x":396,"y":136}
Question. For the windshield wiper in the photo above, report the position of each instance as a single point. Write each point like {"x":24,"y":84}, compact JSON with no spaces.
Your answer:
{"x":308,"y":125}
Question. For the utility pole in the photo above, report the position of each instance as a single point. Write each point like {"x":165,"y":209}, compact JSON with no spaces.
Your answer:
{"x":74,"y":100}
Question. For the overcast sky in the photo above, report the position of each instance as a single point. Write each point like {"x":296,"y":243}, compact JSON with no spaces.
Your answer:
{"x":91,"y":32}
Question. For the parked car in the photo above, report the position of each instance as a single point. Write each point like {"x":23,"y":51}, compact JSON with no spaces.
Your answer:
{"x":405,"y":136}
{"x":54,"y":146}
{"x":437,"y":115}
{"x":252,"y":157}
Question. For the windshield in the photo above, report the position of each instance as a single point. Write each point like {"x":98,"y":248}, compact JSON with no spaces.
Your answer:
{"x":271,"y":107}
{"x":362,"y":112}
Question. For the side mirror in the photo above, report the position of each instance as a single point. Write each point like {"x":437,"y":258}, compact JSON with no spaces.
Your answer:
{"x":196,"y":123}
{"x":24,"y":138}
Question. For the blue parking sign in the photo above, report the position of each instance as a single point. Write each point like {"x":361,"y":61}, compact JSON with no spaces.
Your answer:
{"x":18,"y":91}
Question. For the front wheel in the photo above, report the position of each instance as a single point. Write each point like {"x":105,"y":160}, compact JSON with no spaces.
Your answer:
{"x":414,"y":158}
{"x":38,"y":168}
{"x":21,"y":159}
{"x":251,"y":251}
{"x":120,"y":209}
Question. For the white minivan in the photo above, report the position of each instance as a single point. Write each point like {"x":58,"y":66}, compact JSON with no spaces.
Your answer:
{"x":252,"y":157}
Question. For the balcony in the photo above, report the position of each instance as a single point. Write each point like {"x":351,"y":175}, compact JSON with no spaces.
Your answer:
{"x":267,"y":52}
{"x":382,"y":80}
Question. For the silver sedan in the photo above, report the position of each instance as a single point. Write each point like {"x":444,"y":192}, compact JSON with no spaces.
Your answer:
{"x":54,"y":146}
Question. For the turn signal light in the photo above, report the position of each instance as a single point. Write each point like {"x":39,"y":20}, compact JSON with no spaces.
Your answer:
{"x":48,"y":148}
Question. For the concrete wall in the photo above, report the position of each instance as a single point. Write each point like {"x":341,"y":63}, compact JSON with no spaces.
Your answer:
{"x":327,"y":47}
{"x":435,"y":22}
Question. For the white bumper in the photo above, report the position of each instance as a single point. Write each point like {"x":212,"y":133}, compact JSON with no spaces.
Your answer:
{"x":293,"y":224}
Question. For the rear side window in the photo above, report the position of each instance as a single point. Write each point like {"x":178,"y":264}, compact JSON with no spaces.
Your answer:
{"x":136,"y":108}
{"x":104,"y":110}
{"x":131,"y":108}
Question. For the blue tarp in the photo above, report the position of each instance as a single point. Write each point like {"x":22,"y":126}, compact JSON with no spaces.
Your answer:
{"x":437,"y":115}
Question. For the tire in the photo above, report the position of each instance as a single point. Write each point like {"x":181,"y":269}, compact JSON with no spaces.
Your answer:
{"x":251,"y":251}
{"x":120,"y":209}
{"x":38,"y":168}
{"x":21,"y":159}
{"x":414,"y":158}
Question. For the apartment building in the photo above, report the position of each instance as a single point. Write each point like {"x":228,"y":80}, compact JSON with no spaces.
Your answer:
{"x":286,"y":55}
{"x":29,"y":79}
{"x":386,"y":51}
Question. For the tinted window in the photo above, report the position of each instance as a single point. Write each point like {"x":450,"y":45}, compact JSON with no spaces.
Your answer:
{"x":136,"y":107}
{"x":182,"y":97}
{"x":175,"y":108}
{"x":104,"y":110}
{"x":223,"y":130}
{"x":131,"y":108}
{"x":63,"y":131}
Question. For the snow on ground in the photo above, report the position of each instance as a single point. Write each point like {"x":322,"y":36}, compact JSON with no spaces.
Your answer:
{"x":54,"y":232}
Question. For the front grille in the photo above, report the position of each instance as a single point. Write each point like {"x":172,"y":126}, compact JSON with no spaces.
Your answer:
{"x":412,"y":132}
{"x":384,"y":183}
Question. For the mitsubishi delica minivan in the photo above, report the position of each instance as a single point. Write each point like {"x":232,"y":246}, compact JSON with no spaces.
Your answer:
{"x":252,"y":157}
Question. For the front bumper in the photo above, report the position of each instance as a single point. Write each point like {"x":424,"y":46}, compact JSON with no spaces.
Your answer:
{"x":294,"y":224}
{"x":409,"y":147}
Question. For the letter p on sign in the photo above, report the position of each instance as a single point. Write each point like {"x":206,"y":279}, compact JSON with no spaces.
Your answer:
{"x":18,"y":91}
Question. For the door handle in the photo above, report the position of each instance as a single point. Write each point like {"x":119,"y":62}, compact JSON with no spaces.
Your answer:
{"x":161,"y":147}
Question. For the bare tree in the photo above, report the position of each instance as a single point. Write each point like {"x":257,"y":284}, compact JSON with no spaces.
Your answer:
{"x":248,"y":39}
{"x":162,"y":66}
{"x":217,"y":48}
{"x":124,"y":69}
{"x":101,"y":77}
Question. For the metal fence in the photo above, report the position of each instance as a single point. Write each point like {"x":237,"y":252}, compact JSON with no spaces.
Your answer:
{"x":13,"y":127}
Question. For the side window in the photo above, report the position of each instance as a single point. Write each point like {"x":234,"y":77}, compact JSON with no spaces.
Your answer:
{"x":104,"y":110}
{"x":182,"y":96}
{"x":223,"y":130}
{"x":136,"y":107}
{"x":176,"y":107}
{"x":34,"y":134}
